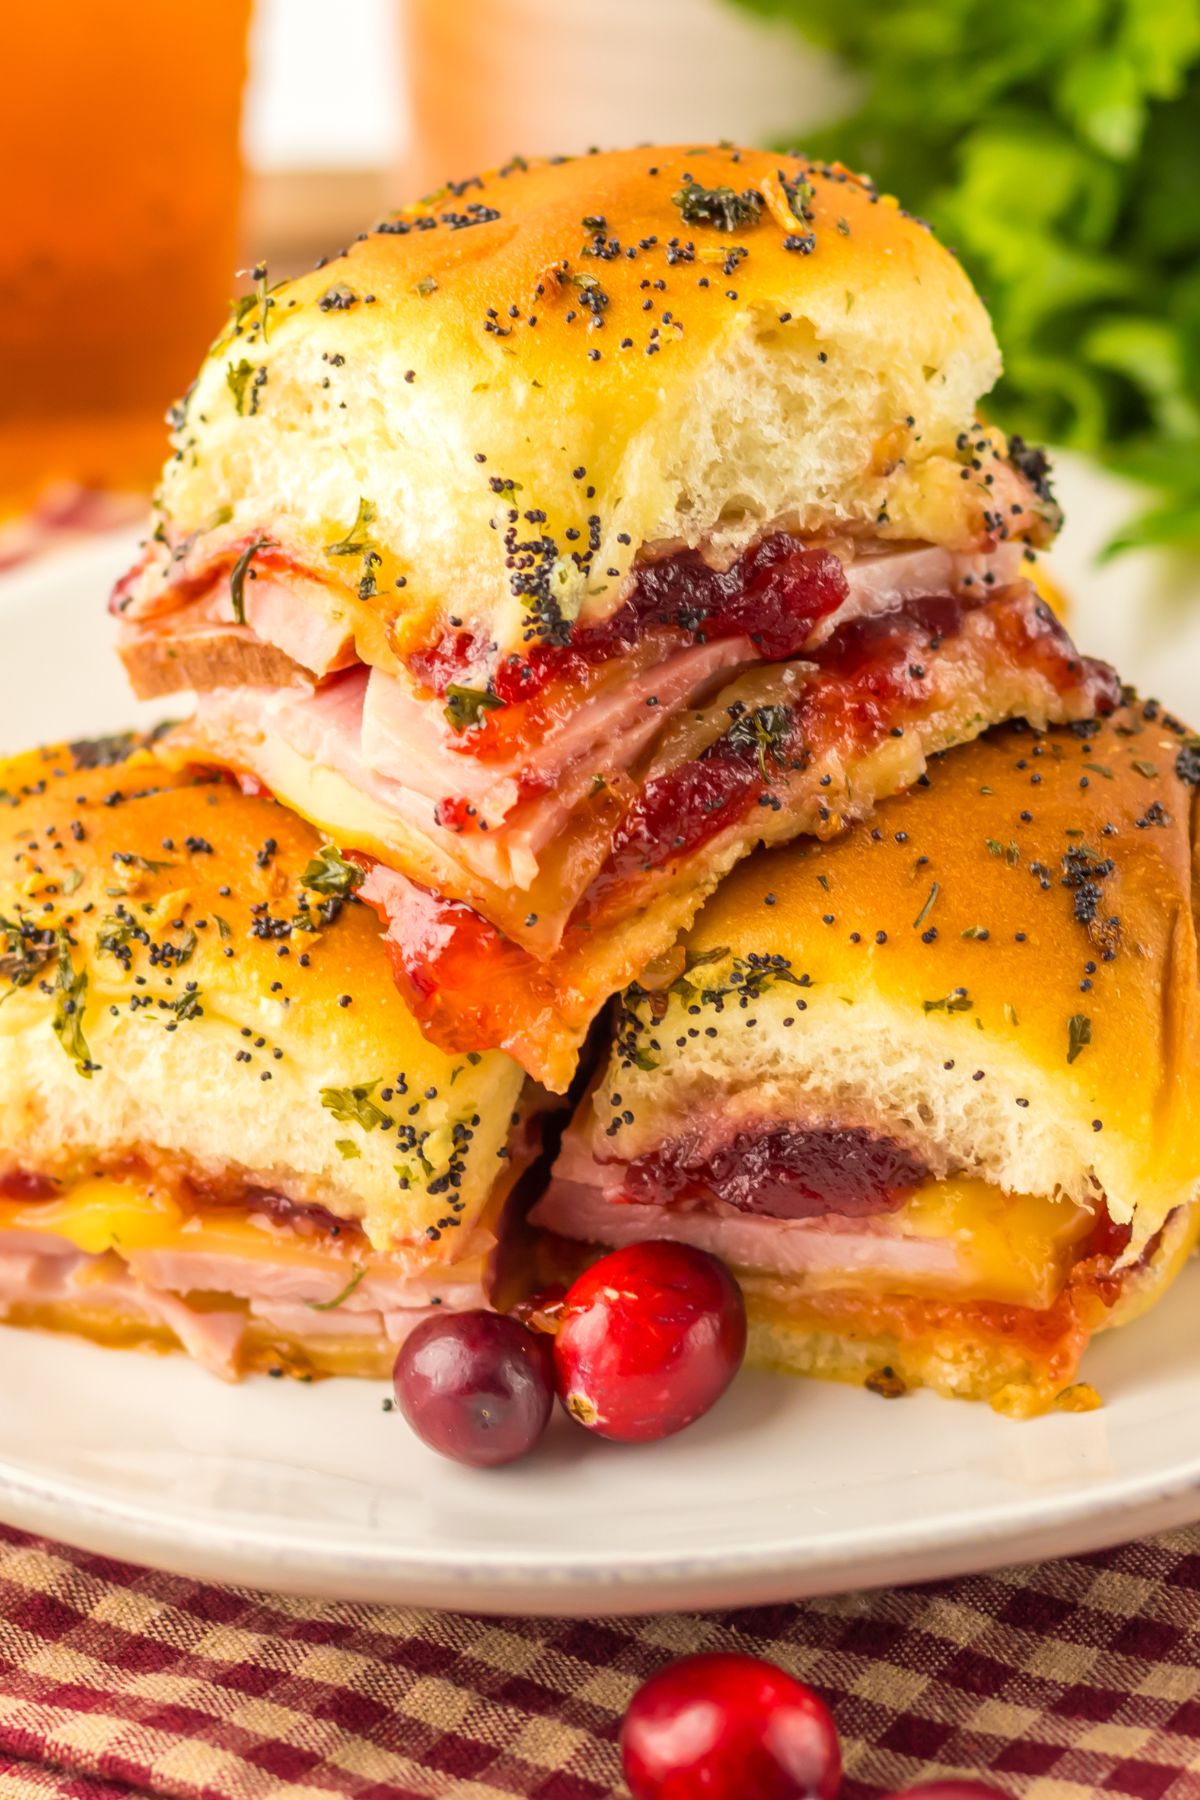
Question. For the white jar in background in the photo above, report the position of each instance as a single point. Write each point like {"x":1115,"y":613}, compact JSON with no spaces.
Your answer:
{"x":487,"y":78}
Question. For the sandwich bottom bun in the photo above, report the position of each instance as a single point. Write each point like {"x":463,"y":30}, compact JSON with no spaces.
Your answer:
{"x":1021,"y":1362}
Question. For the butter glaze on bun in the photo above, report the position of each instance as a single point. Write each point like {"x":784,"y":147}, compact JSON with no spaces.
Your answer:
{"x":646,"y":348}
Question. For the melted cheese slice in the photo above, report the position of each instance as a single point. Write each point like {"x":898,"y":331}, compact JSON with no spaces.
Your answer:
{"x":102,"y":1214}
{"x":1009,"y":1247}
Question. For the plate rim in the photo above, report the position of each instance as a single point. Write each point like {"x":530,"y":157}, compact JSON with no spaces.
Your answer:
{"x":243,"y":1552}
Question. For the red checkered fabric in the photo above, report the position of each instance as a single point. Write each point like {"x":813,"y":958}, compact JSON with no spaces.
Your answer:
{"x":1065,"y":1681}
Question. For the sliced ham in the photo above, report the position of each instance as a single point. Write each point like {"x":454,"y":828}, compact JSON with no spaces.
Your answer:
{"x":41,"y":1270}
{"x":322,"y":725}
{"x":64,"y":1276}
{"x":402,"y":753}
{"x":829,"y":1247}
{"x":410,"y":740}
{"x":882,"y":581}
{"x":497,"y":819}
{"x":268,"y":1284}
{"x":305,"y":619}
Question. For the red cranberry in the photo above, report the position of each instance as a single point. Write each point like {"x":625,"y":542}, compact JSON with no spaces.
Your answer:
{"x":949,"y":1790}
{"x":722,"y":1727}
{"x":650,"y":1337}
{"x":476,"y":1386}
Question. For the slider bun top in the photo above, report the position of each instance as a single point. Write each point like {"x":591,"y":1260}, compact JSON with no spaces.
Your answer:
{"x":999,"y":968}
{"x":215,"y":1015}
{"x":532,"y":374}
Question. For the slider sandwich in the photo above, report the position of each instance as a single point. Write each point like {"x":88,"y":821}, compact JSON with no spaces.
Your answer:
{"x":222,"y":1129}
{"x":576,"y":529}
{"x":929,"y":1090}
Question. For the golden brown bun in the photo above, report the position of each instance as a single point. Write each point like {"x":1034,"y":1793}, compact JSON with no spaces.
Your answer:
{"x":173,"y":996}
{"x":489,"y":357}
{"x":1000,"y":970}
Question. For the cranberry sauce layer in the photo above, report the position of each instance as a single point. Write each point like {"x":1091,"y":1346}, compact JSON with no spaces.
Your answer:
{"x":773,"y":596}
{"x":22,"y":1184}
{"x":783,"y":1172}
{"x":874,"y":674}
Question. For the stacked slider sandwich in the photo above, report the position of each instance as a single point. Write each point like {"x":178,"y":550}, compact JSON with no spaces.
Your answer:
{"x":579,"y":530}
{"x":928,"y":1090}
{"x":221,"y":1128}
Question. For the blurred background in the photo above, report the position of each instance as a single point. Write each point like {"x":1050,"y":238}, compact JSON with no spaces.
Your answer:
{"x":160,"y":148}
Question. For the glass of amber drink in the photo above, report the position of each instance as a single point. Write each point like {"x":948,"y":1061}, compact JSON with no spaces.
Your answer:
{"x":119,"y":206}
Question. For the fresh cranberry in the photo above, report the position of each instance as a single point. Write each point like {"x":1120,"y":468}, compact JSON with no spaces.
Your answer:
{"x":475,"y":1386}
{"x":724,"y":1727}
{"x":949,"y":1790}
{"x":650,"y":1338}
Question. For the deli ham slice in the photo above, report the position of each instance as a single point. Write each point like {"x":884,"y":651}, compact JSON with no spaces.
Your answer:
{"x":830,"y":1247}
{"x":402,"y":753}
{"x":39,"y":1270}
{"x":410,"y":740}
{"x":297,"y":618}
{"x":882,"y":582}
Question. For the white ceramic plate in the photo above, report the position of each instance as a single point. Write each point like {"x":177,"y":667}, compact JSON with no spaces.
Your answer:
{"x":786,"y":1489}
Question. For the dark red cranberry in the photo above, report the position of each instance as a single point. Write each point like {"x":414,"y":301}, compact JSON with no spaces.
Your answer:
{"x":949,"y":1790}
{"x":475,"y":1386}
{"x":720,"y":1727}
{"x":650,"y":1337}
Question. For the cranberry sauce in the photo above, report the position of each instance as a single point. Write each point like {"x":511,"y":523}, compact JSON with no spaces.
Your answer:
{"x":871,"y":670}
{"x":677,"y":813}
{"x":307,"y":1218}
{"x":469,"y":986}
{"x":787,"y":1172}
{"x":773,"y":595}
{"x":22,"y":1184}
{"x":877,"y":661}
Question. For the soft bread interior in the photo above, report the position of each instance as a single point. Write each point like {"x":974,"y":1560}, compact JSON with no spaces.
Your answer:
{"x":772,"y":435}
{"x":820,"y":1056}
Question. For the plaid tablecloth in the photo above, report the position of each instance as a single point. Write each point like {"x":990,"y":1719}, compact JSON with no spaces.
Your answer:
{"x":1064,"y":1681}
